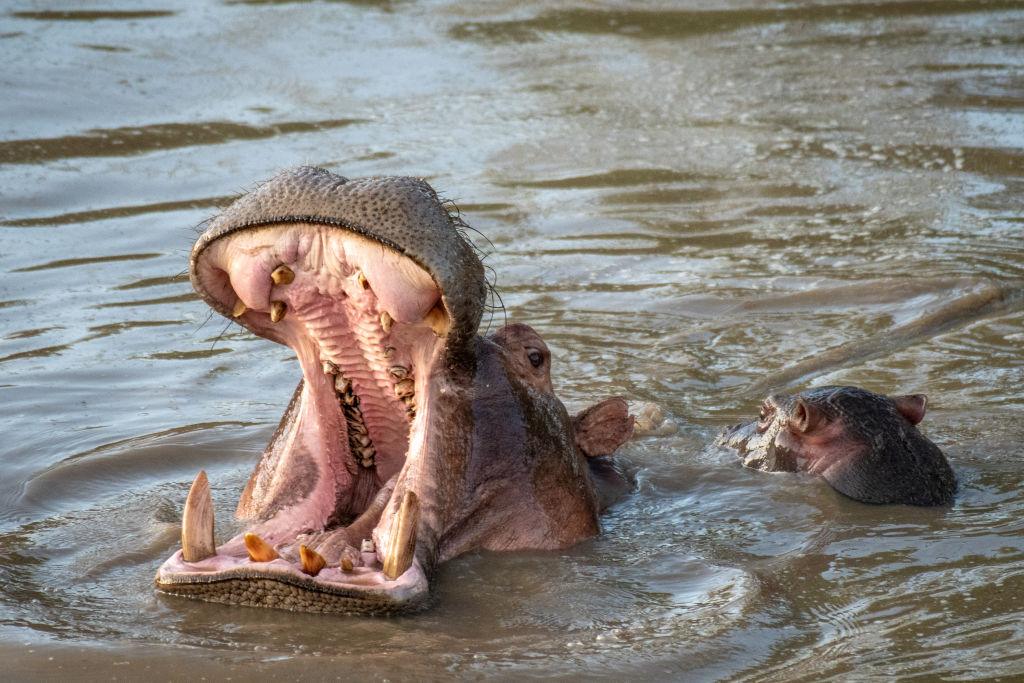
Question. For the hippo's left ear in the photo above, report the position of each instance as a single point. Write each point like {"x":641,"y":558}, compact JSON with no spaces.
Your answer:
{"x":602,"y":428}
{"x":911,"y":406}
{"x":804,"y":416}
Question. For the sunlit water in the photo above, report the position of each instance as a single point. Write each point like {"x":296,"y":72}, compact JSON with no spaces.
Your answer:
{"x":684,"y":202}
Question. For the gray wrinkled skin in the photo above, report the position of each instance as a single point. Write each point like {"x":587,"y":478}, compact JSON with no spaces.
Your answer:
{"x":865,"y":445}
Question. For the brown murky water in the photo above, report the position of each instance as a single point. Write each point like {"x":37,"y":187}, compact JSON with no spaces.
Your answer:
{"x":688,"y":203}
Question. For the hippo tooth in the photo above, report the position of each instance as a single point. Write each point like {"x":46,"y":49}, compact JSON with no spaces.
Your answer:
{"x":437,"y":319}
{"x":367,"y":546}
{"x":342,"y":384}
{"x":329,"y":368}
{"x":363,"y":282}
{"x":346,"y":565}
{"x":402,"y":545}
{"x":386,"y":321}
{"x":277,"y":310}
{"x":312,"y":561}
{"x":197,"y":522}
{"x":389,"y":351}
{"x":405,"y":388}
{"x":259,"y":550}
{"x":239,"y":309}
{"x":399,"y":371}
{"x":282,"y":275}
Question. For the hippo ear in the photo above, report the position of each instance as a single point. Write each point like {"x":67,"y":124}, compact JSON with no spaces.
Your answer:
{"x":804,"y":417}
{"x":602,"y":428}
{"x":911,"y":406}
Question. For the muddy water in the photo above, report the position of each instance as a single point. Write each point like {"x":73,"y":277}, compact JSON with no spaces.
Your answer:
{"x":688,"y":203}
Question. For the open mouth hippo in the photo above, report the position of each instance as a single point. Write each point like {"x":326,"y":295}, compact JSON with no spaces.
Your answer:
{"x":865,"y":445}
{"x":410,"y":439}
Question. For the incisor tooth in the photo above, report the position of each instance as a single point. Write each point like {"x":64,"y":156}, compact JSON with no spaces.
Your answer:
{"x":239,"y":309}
{"x":277,"y":310}
{"x":282,"y":275}
{"x":259,"y":550}
{"x":197,"y":522}
{"x":437,"y":319}
{"x":402,"y":544}
{"x":363,"y":282}
{"x":346,"y":565}
{"x":399,"y":371}
{"x":312,"y":561}
{"x":386,"y":321}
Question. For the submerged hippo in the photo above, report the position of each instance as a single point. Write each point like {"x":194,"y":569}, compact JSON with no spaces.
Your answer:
{"x":410,"y":438}
{"x":865,"y":445}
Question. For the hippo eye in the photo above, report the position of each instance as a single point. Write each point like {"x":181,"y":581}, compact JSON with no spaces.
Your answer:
{"x":535,"y":358}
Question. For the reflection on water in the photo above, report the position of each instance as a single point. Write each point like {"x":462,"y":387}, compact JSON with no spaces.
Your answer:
{"x":692,"y":205}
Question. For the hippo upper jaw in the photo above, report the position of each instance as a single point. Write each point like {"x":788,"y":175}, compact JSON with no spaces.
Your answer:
{"x":371,"y":284}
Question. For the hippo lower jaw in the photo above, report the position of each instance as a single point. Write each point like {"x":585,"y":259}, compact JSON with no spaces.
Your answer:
{"x":344,"y":519}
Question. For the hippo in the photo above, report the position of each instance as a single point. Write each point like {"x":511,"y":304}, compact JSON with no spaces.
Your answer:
{"x":865,"y":445}
{"x":410,"y":439}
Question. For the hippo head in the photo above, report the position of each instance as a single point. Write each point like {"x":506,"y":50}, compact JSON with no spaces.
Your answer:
{"x":410,"y":439}
{"x":865,"y":445}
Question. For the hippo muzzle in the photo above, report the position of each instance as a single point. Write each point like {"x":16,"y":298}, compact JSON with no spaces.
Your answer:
{"x":407,"y":442}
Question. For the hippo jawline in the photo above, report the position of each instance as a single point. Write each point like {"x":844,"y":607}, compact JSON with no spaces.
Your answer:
{"x":380,"y":300}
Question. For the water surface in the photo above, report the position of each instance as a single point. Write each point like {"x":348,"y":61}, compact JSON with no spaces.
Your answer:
{"x":687,"y":203}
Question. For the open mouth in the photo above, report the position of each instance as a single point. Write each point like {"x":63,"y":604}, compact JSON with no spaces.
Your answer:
{"x":339,"y":520}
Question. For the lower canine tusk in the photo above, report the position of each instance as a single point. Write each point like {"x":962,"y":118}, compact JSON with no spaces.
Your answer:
{"x":239,"y":310}
{"x":259,"y":550}
{"x":197,"y":522}
{"x":312,"y":561}
{"x":402,"y":544}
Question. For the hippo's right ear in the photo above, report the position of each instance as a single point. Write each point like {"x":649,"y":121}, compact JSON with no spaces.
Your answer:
{"x":602,"y":428}
{"x":911,"y":406}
